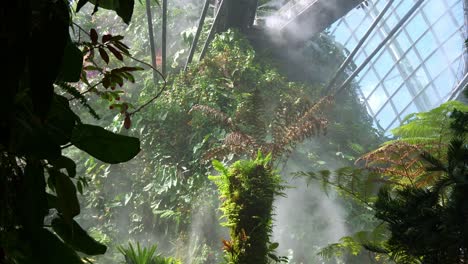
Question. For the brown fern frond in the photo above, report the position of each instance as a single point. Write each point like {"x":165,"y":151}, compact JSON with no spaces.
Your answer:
{"x":215,"y":114}
{"x":238,"y":143}
{"x":216,"y":153}
{"x":399,"y":160}
{"x":290,"y":130}
{"x":317,"y":109}
{"x":234,"y":143}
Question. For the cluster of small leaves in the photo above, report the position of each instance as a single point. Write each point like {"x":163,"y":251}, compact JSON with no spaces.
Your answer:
{"x":248,"y":189}
{"x":110,"y":78}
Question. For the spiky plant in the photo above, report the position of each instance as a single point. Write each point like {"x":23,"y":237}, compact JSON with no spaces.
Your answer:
{"x":144,"y":255}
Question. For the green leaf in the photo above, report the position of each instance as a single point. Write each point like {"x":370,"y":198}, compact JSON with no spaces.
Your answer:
{"x":72,"y":63}
{"x":65,"y":163}
{"x":219,"y":166}
{"x":76,"y":237}
{"x":67,"y":201}
{"x":273,"y":246}
{"x":105,"y":145}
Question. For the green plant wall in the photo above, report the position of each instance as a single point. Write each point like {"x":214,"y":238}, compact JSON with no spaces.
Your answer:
{"x":247,"y":189}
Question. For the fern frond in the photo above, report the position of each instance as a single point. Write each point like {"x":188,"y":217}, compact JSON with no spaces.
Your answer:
{"x":77,"y":95}
{"x":400,"y":161}
{"x":215,"y":114}
{"x":309,"y":124}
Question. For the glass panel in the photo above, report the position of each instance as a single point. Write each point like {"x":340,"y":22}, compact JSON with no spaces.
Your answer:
{"x":411,"y":59}
{"x":434,"y":10}
{"x":402,"y":98}
{"x":390,"y":19}
{"x":444,"y":27}
{"x":444,"y":81}
{"x":393,"y":81}
{"x":403,"y":41}
{"x":426,"y":45}
{"x":384,"y":62}
{"x":409,"y":110}
{"x":421,"y":78}
{"x":372,"y":42}
{"x":361,"y":30}
{"x":454,"y":46}
{"x":377,"y":100}
{"x":368,"y":82}
{"x":402,"y":8}
{"x":386,"y":116}
{"x":434,"y":63}
{"x":416,"y":26}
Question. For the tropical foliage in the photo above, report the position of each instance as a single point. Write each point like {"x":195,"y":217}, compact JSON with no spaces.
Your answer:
{"x":421,"y":206}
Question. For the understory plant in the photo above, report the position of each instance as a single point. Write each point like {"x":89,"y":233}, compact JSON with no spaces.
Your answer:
{"x":248,"y":189}
{"x":144,"y":255}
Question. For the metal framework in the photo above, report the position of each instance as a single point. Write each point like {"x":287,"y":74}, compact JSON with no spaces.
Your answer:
{"x":420,"y":71}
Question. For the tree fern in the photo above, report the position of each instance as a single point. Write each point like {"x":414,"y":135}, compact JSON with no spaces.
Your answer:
{"x":426,"y":132}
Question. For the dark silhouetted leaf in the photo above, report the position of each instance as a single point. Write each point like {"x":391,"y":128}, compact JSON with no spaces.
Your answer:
{"x":124,"y":8}
{"x":61,"y":121}
{"x":127,"y":122}
{"x":65,"y":163}
{"x":116,"y":53}
{"x":105,"y":145}
{"x":77,"y":238}
{"x":93,"y":35}
{"x":106,"y":38}
{"x":34,"y":201}
{"x":67,"y":201}
{"x":80,"y":4}
{"x":52,"y":250}
{"x":72,"y":63}
{"x":104,"y":55}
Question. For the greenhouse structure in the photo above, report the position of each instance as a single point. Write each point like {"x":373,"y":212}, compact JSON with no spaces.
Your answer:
{"x":234,"y":132}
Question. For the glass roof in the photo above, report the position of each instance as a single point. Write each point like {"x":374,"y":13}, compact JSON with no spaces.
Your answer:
{"x":419,"y":68}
